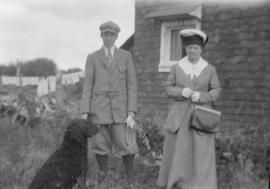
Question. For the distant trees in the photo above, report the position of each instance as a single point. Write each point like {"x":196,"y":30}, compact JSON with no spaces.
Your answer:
{"x":9,"y":70}
{"x":37,"y":67}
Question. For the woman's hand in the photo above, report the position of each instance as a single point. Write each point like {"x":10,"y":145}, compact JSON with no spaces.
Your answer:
{"x":195,"y":96}
{"x":187,"y":92}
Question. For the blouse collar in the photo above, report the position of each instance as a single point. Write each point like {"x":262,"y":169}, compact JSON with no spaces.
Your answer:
{"x":192,"y":69}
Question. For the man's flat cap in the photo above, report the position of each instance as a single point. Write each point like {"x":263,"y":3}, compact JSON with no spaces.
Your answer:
{"x":109,"y":27}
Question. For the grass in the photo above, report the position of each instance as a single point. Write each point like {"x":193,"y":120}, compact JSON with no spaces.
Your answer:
{"x":23,"y":149}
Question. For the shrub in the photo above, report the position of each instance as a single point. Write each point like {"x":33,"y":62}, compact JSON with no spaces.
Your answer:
{"x":240,"y":158}
{"x":150,"y":140}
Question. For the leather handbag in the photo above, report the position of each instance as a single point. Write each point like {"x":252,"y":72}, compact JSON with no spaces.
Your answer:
{"x":205,"y":119}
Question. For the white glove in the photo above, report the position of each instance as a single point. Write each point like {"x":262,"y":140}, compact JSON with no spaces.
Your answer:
{"x":84,"y":116}
{"x":195,"y":97}
{"x":186,"y":92}
{"x":130,"y":120}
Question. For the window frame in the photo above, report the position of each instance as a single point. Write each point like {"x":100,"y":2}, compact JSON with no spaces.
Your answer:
{"x":165,"y":39}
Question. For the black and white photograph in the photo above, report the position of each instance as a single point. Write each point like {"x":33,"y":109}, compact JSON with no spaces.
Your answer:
{"x":135,"y":94}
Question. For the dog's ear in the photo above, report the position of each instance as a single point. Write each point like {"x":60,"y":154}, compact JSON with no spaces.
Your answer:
{"x":91,"y":128}
{"x":75,"y":132}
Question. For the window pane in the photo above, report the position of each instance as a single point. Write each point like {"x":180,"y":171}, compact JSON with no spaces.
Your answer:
{"x":176,"y":45}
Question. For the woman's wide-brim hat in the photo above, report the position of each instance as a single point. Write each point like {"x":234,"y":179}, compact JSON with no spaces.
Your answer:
{"x":193,"y":36}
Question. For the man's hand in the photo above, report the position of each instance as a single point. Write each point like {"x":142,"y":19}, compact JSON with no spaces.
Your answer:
{"x":130,"y":120}
{"x":84,"y":116}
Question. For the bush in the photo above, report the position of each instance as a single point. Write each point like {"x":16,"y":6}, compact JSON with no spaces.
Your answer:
{"x":241,"y":158}
{"x":150,"y":140}
{"x":74,"y":90}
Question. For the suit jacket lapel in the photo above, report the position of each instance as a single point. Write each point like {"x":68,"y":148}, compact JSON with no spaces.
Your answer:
{"x":103,"y":59}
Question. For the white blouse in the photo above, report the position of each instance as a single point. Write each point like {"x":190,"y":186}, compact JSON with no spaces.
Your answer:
{"x":192,"y":69}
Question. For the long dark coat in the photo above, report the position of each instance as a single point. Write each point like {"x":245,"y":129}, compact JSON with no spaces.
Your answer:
{"x":189,"y":156}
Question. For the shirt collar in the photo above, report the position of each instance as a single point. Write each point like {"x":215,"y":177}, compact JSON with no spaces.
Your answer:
{"x":192,"y":69}
{"x":106,"y":50}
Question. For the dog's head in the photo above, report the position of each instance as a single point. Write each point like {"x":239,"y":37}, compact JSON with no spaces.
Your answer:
{"x":79,"y":130}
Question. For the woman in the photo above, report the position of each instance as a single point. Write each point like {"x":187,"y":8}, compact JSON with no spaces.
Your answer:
{"x":189,"y":155}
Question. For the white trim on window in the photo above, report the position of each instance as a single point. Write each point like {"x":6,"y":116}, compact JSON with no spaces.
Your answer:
{"x":165,"y":39}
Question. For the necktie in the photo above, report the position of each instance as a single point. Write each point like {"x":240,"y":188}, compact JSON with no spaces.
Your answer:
{"x":110,"y":58}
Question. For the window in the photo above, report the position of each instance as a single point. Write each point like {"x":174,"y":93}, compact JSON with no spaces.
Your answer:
{"x":176,"y":46}
{"x":171,"y":49}
{"x":176,"y":49}
{"x":175,"y":16}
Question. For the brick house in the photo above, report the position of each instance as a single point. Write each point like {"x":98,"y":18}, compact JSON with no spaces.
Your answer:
{"x":238,"y":46}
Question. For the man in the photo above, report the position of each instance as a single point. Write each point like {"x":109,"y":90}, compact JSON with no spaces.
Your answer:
{"x":110,"y":92}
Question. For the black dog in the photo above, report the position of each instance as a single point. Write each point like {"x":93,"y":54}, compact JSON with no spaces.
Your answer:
{"x":69,"y":162}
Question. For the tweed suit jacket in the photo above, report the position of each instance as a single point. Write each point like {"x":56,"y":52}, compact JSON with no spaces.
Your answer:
{"x":110,"y":90}
{"x":207,"y":83}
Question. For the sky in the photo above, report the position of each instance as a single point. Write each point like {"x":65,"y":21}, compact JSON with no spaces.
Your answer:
{"x":62,"y":30}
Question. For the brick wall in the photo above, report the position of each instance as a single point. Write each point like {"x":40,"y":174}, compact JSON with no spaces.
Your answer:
{"x":151,"y":94}
{"x":239,"y":47}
